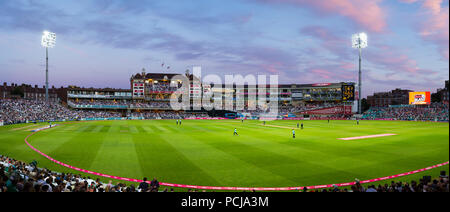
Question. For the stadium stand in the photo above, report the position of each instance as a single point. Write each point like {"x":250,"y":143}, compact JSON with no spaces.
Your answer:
{"x":433,"y":112}
{"x":18,"y":176}
{"x":15,"y":111}
{"x":20,"y":111}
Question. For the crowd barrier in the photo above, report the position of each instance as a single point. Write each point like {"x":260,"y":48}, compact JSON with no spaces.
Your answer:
{"x":44,"y":128}
{"x":205,"y":118}
{"x":103,"y":119}
{"x":316,"y":118}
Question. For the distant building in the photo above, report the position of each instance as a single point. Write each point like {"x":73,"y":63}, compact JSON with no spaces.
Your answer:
{"x":394,"y":97}
{"x":15,"y":91}
{"x":5,"y":91}
{"x":444,"y":93}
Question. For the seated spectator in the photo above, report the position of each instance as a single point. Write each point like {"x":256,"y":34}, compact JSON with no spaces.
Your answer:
{"x":144,"y":185}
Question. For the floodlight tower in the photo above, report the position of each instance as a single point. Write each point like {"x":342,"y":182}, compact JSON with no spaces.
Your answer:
{"x":48,"y":41}
{"x":359,"y":41}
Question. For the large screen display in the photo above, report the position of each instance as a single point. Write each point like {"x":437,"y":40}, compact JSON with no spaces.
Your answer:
{"x":348,"y":92}
{"x":420,"y":98}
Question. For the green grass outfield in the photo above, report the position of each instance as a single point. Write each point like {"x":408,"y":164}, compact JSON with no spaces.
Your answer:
{"x":205,"y":152}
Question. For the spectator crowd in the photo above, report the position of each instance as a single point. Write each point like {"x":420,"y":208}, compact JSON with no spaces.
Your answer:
{"x":18,"y":176}
{"x":21,"y":111}
{"x":433,"y":112}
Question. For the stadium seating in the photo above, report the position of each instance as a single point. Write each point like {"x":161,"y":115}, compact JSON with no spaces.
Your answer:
{"x":20,"y":111}
{"x":18,"y":176}
{"x":433,"y":112}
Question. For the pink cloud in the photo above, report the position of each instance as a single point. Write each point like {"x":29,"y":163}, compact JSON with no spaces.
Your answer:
{"x":272,"y":68}
{"x":325,"y":74}
{"x":388,"y":58}
{"x":408,"y":1}
{"x":435,"y":25}
{"x":330,"y":41}
{"x":244,"y":18}
{"x":394,"y":61}
{"x":328,"y":73}
{"x":348,"y":66}
{"x":366,"y":13}
{"x":436,"y":30}
{"x":433,"y":5}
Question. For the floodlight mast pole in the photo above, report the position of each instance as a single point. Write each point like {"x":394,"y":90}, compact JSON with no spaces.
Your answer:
{"x":359,"y":41}
{"x":360,"y":82}
{"x":46,"y":74}
{"x":48,"y":40}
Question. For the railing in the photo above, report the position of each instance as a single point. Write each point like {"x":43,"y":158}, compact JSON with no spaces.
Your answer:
{"x":81,"y":96}
{"x":73,"y":105}
{"x":149,"y":108}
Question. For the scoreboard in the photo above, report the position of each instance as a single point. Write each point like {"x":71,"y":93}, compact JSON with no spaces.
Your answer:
{"x":348,"y":92}
{"x":138,"y":89}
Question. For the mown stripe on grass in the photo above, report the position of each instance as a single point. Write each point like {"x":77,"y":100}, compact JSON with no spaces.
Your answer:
{"x":259,"y":159}
{"x":114,"y":128}
{"x":173,"y":129}
{"x":223,"y":167}
{"x":71,"y":127}
{"x":98,"y":129}
{"x":260,"y":140}
{"x":10,"y":142}
{"x":204,"y":128}
{"x":105,"y":129}
{"x":309,"y":144}
{"x":133,"y":129}
{"x":154,"y":129}
{"x":160,"y":128}
{"x":148,"y":129}
{"x":49,"y":141}
{"x":124,"y":129}
{"x":106,"y":161}
{"x":82,"y":128}
{"x":160,"y":159}
{"x":90,"y":128}
{"x":140,"y":129}
{"x":80,"y":150}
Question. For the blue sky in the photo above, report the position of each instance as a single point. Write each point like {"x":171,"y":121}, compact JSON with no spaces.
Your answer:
{"x":102,"y":43}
